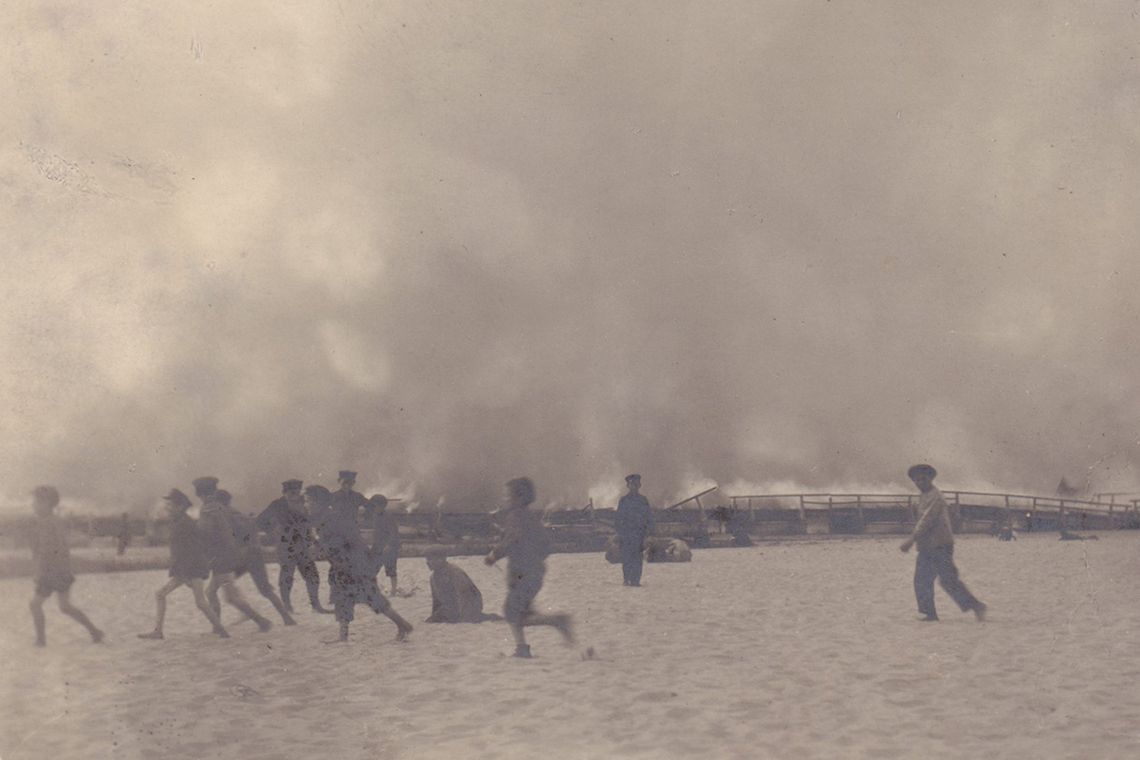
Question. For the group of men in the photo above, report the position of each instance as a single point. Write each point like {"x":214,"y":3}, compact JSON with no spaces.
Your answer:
{"x":305,"y":523}
{"x":222,"y":545}
{"x":210,"y":553}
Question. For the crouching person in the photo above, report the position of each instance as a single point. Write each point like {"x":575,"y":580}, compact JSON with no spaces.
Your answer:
{"x":454,"y":596}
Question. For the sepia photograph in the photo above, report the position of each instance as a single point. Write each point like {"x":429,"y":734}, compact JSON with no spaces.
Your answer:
{"x":501,"y":379}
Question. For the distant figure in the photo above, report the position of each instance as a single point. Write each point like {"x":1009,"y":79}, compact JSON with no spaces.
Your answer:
{"x":385,"y":538}
{"x":250,"y":558}
{"x":188,"y":565}
{"x":935,"y":540}
{"x":634,"y":524}
{"x":346,"y":503}
{"x":667,"y":550}
{"x":352,"y":577}
{"x":1006,"y":533}
{"x":222,"y":551}
{"x":285,"y":519}
{"x":526,"y":546}
{"x":52,"y":559}
{"x":454,"y":596}
{"x":124,"y":534}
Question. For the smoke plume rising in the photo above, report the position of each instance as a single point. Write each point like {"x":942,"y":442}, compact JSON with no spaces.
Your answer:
{"x":446,"y":244}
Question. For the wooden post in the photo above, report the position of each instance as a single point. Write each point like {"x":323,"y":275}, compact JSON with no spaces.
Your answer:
{"x":859,"y":509}
{"x":1008,"y":517}
{"x":803,"y":513}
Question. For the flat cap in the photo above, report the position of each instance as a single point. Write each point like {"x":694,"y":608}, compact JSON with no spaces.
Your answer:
{"x":205,"y":486}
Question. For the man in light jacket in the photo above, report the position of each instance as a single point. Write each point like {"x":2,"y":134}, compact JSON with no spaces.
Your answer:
{"x":934,"y":537}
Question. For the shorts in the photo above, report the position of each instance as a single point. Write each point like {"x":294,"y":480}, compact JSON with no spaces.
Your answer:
{"x":50,"y":584}
{"x":345,"y":597}
{"x":522,"y":589}
{"x":389,"y":565}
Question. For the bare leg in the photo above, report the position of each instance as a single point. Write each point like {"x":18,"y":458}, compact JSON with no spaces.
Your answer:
{"x":212,"y":594}
{"x":521,"y":647}
{"x":197,"y":587}
{"x":343,"y":631}
{"x":37,"y":608}
{"x":286,"y":570}
{"x":393,"y":580}
{"x":160,"y":608}
{"x":257,"y":571}
{"x":403,"y":626}
{"x":235,"y":599}
{"x":67,"y":608}
{"x":560,"y":621}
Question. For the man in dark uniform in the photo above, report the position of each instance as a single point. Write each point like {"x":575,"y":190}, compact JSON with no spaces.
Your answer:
{"x":252,"y":561}
{"x":223,"y":552}
{"x":188,"y":565}
{"x":634,"y":524}
{"x":286,"y":521}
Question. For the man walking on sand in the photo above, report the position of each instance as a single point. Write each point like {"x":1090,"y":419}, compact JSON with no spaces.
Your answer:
{"x":935,"y":540}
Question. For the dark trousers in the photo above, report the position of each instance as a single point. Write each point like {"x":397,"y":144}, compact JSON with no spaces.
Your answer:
{"x":287,"y":567}
{"x":631,"y":558}
{"x":939,"y":563}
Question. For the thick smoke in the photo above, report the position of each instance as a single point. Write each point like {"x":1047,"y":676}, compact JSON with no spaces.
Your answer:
{"x":756,"y":244}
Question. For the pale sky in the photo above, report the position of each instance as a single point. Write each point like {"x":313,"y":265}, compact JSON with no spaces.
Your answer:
{"x":450,"y":243}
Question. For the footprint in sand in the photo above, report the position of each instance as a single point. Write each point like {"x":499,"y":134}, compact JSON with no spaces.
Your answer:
{"x":249,"y":694}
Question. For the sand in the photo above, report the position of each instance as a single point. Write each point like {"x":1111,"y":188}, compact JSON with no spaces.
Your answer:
{"x":805,"y":649}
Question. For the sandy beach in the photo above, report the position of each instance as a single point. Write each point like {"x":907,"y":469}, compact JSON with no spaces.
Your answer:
{"x":805,"y":649}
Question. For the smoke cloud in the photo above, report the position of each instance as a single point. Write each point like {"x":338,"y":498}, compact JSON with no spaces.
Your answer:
{"x":446,"y":244}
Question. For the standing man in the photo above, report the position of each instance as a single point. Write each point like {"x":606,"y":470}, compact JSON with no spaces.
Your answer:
{"x":286,"y":521}
{"x":935,"y":539}
{"x":385,"y":538}
{"x":222,"y":551}
{"x":634,"y":524}
{"x":52,"y":559}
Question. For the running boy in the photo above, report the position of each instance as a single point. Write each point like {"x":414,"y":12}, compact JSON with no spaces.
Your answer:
{"x":52,"y":558}
{"x":526,"y":546}
{"x":188,"y":565}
